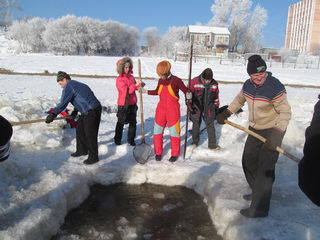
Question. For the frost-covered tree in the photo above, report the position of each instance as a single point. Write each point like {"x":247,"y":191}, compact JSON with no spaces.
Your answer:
{"x":287,"y":55}
{"x":94,"y":38}
{"x":61,"y":35}
{"x":236,"y":15}
{"x":73,"y":35}
{"x":28,"y":33}
{"x":174,"y":40}
{"x":252,"y":38}
{"x":152,"y":38}
{"x":5,"y":7}
{"x":123,"y":38}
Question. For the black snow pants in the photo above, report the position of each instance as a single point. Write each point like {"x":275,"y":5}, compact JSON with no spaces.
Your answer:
{"x":87,"y":133}
{"x":131,"y":118}
{"x":258,"y":164}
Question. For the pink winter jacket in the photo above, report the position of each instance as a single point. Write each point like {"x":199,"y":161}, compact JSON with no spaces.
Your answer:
{"x":123,"y":82}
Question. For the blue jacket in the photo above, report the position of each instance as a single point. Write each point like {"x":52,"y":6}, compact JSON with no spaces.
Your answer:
{"x":79,"y":95}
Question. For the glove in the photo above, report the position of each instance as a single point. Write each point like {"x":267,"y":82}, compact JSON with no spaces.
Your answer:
{"x":189,"y":95}
{"x":50,"y":117}
{"x":139,"y":83}
{"x":51,"y":110}
{"x":190,"y":107}
{"x":143,"y":90}
{"x":74,"y":114}
{"x":274,"y":139}
{"x":221,"y":117}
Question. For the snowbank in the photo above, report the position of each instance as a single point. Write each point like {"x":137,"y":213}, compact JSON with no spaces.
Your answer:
{"x":40,"y":182}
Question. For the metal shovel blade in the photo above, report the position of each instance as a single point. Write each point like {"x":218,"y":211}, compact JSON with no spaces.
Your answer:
{"x":142,"y":152}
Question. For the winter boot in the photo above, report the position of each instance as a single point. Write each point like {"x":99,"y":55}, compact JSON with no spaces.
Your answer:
{"x":251,"y":213}
{"x":215,"y":148}
{"x":132,"y":143}
{"x":158,"y":157}
{"x":78,"y":154}
{"x":173,"y":159}
{"x":91,"y":161}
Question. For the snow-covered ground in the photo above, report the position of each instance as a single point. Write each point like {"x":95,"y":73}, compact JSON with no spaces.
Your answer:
{"x":40,"y":182}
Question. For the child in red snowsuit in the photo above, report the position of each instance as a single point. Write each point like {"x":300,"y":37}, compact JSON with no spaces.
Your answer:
{"x":168,"y":110}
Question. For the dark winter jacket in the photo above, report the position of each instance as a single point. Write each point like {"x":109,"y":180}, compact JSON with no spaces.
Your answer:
{"x":79,"y":95}
{"x":205,"y":98}
{"x":6,"y":133}
{"x":314,"y":128}
{"x":309,"y":166}
{"x":268,"y":105}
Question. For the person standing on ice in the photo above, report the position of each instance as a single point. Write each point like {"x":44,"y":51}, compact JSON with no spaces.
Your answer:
{"x":269,"y":115}
{"x":6,"y":133}
{"x":309,"y":166}
{"x":127,"y":101}
{"x":168,"y":110}
{"x":84,"y":101}
{"x":204,"y":104}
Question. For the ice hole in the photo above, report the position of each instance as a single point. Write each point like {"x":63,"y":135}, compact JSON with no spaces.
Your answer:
{"x":147,"y":211}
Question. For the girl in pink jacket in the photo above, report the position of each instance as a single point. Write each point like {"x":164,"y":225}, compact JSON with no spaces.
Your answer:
{"x":127,"y":101}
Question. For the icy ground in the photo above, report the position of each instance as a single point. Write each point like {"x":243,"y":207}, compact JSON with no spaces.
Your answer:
{"x":40,"y":182}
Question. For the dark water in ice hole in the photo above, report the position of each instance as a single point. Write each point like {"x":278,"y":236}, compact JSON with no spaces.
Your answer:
{"x":146,"y":211}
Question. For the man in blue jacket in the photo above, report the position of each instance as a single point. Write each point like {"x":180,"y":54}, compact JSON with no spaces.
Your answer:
{"x":84,"y":101}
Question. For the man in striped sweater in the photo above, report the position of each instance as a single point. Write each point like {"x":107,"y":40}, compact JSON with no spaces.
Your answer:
{"x":269,"y":115}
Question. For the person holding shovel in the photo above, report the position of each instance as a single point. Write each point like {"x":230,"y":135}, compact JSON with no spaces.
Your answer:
{"x":309,"y":166}
{"x":5,"y":136}
{"x":204,"y":104}
{"x":84,"y":101}
{"x":168,"y":110}
{"x":269,"y":115}
{"x":127,"y":101}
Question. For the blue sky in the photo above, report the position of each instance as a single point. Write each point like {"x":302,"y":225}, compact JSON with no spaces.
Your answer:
{"x":161,"y":14}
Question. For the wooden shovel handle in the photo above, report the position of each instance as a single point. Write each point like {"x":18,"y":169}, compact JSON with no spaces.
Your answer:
{"x":141,"y":104}
{"x":33,"y":121}
{"x":262,"y":139}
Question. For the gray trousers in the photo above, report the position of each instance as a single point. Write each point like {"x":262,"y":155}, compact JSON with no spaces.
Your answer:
{"x":258,"y":164}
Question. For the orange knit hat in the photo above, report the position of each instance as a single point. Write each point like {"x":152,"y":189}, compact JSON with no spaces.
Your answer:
{"x":163,"y":68}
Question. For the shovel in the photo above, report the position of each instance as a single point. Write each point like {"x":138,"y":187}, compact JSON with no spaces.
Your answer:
{"x":142,"y":151}
{"x":262,"y":139}
{"x":33,"y":121}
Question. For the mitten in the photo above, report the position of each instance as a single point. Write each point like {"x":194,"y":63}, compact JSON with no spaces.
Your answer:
{"x":74,"y":114}
{"x":274,"y":139}
{"x":144,"y":90}
{"x":221,"y":117}
{"x":189,"y":95}
{"x":190,"y":107}
{"x":50,"y":117}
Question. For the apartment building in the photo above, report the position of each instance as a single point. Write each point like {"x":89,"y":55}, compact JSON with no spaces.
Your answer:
{"x":303,"y":26}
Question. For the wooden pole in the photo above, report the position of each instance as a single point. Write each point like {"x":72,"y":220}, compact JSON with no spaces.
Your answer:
{"x":33,"y":121}
{"x":262,"y":139}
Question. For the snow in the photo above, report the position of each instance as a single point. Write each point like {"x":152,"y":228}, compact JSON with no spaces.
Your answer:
{"x":208,"y":29}
{"x":40,"y":182}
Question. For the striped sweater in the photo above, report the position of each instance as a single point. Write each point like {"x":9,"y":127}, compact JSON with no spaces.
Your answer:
{"x":268,"y":105}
